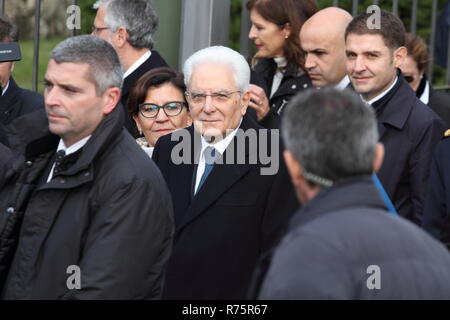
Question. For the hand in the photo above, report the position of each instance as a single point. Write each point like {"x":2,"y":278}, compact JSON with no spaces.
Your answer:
{"x":259,"y":101}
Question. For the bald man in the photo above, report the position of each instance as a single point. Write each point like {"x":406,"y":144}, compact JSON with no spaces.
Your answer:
{"x":322,"y":37}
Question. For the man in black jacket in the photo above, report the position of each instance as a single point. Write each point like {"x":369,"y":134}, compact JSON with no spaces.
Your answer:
{"x":408,"y":129}
{"x":343,"y":244}
{"x":93,"y":214}
{"x":129,"y":26}
{"x":14,"y":101}
{"x":230,"y":210}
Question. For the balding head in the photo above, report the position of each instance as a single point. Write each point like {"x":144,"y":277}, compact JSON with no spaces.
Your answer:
{"x":322,"y":37}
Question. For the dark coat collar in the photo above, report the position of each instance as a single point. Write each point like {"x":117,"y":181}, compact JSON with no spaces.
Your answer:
{"x":30,"y":136}
{"x":221,"y":178}
{"x":154,"y":61}
{"x":352,"y":193}
{"x":395,"y":107}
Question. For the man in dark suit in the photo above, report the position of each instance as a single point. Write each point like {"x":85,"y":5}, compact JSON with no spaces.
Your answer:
{"x":14,"y":101}
{"x":408,"y":129}
{"x":129,"y":26}
{"x":231,"y":203}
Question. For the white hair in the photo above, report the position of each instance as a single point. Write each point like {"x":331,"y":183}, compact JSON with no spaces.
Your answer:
{"x":224,"y":56}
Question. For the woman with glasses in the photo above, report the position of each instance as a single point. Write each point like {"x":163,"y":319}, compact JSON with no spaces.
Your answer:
{"x":158,"y":106}
{"x":414,"y":68}
{"x":278,"y":64}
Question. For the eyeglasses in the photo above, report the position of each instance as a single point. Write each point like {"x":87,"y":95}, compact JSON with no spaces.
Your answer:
{"x":95,"y":29}
{"x":217,"y":97}
{"x":171,"y":109}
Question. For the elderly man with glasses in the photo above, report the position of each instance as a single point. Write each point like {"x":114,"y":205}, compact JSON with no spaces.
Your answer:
{"x":232,"y":194}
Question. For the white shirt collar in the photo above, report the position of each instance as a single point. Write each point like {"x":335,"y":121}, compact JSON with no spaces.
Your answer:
{"x":222,"y":145}
{"x":343,"y":83}
{"x":138,"y":63}
{"x":425,"y":97}
{"x":73,"y":148}
{"x":5,"y":88}
{"x":382,"y":94}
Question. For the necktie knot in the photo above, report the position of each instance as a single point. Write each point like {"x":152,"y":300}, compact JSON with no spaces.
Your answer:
{"x":210,"y":155}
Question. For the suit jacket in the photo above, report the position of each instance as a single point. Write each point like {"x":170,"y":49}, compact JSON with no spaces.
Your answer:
{"x":440,"y":103}
{"x":340,"y":233}
{"x":409,"y":131}
{"x":237,"y":215}
{"x":293,"y":81}
{"x":17,"y":102}
{"x":154,"y":61}
{"x":436,"y":216}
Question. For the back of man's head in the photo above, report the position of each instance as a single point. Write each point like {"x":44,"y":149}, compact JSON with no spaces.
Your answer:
{"x":138,"y":17}
{"x":391,"y":28}
{"x":332,"y":134}
{"x":105,"y":70}
{"x":8,"y":30}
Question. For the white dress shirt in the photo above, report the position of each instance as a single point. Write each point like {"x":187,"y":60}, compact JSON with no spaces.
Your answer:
{"x":378,"y":97}
{"x":5,"y":88}
{"x":72,"y":149}
{"x":343,"y":83}
{"x":220,"y":147}
{"x":137,"y":64}
{"x":425,"y":97}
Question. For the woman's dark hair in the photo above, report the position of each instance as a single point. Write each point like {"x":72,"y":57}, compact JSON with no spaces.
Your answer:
{"x":153,"y":79}
{"x":280,"y":12}
{"x":417,"y":49}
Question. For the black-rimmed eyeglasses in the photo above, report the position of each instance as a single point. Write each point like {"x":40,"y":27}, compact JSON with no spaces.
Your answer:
{"x":171,"y":109}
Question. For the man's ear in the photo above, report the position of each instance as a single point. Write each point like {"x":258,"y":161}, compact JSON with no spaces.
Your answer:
{"x":245,"y":99}
{"x":111,"y":99}
{"x":294,"y":167}
{"x":378,"y":158}
{"x":121,"y":37}
{"x":400,"y":56}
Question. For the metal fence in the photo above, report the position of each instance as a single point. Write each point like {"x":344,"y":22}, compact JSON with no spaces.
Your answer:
{"x":206,"y":27}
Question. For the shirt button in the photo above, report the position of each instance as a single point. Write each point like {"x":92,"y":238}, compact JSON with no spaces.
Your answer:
{"x":87,"y":174}
{"x":305,"y":85}
{"x":62,"y":181}
{"x":294,"y":86}
{"x":10,"y":210}
{"x":28,"y":164}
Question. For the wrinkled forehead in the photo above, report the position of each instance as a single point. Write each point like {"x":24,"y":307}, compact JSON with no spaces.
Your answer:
{"x":212,"y":76}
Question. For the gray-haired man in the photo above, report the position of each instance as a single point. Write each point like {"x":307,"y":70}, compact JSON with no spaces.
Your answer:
{"x":129,"y":26}
{"x":343,"y":244}
{"x":83,"y":200}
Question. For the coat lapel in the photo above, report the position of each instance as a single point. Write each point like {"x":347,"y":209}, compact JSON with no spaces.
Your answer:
{"x":221,"y":179}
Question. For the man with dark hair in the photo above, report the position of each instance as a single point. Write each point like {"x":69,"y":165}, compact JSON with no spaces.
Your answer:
{"x":129,"y":26}
{"x":14,"y":101}
{"x":408,"y":129}
{"x":343,"y":244}
{"x":93,"y":214}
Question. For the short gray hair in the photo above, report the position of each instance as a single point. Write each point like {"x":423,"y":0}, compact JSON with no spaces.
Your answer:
{"x":333,"y":134}
{"x":221,"y":55}
{"x":138,"y":17}
{"x":105,"y":70}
